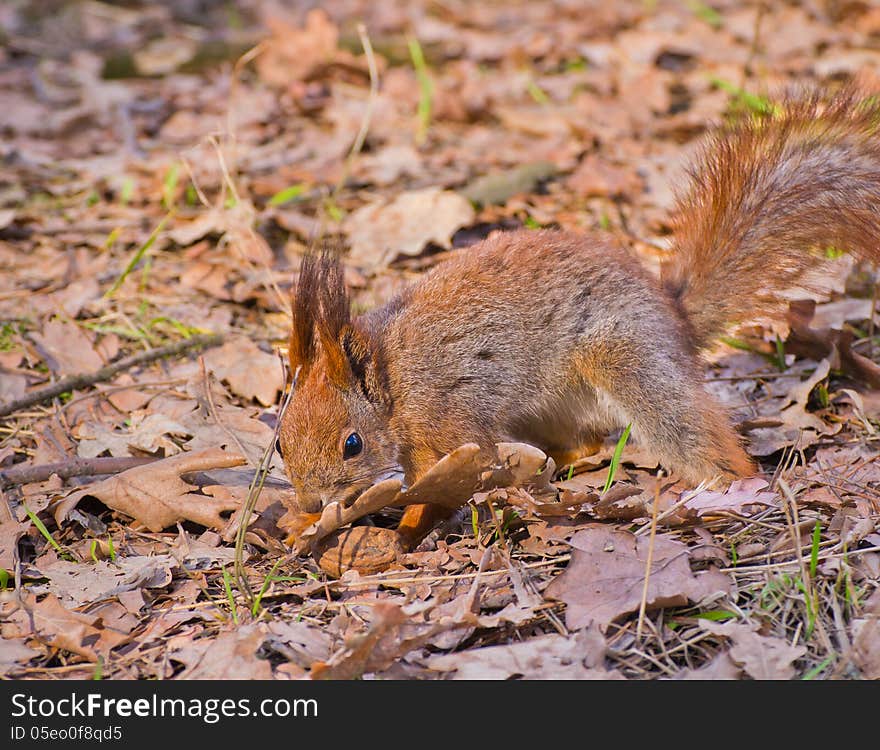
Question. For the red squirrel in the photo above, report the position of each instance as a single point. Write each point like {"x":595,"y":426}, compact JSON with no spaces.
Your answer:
{"x":554,"y":338}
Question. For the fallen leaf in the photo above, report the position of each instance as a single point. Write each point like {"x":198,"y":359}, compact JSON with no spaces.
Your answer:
{"x":798,"y":426}
{"x":231,"y":655}
{"x":390,"y":164}
{"x":762,"y":657}
{"x":60,"y":628}
{"x":10,"y":532}
{"x":605,"y":577}
{"x":77,"y":584}
{"x":301,"y":643}
{"x":156,"y":494}
{"x":371,"y":651}
{"x":596,"y":177}
{"x":382,"y":230}
{"x":451,"y":482}
{"x":722,"y":667}
{"x":292,"y":53}
{"x":68,"y":351}
{"x":249,"y":371}
{"x":148,"y":434}
{"x":547,"y":657}
{"x":866,"y":645}
{"x":743,"y":496}
{"x":808,"y":339}
{"x":14,"y":653}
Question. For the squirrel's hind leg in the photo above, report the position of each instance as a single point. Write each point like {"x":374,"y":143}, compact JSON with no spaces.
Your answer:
{"x":661,"y":393}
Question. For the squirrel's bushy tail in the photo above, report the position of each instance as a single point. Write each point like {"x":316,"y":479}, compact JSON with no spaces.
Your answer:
{"x":764,"y":194}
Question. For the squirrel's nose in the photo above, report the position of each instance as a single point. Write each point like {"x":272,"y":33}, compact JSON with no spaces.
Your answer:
{"x":311,"y":500}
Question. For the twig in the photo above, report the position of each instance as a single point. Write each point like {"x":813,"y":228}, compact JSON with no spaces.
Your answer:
{"x":74,"y":467}
{"x":254,"y":489}
{"x":83,"y":380}
{"x":643,"y":606}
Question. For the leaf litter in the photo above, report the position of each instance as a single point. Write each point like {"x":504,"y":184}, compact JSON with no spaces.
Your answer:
{"x":582,"y":122}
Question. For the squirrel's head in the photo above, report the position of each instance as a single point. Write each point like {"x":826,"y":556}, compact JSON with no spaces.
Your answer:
{"x":334,"y":435}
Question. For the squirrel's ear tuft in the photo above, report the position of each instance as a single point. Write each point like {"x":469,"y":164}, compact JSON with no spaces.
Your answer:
{"x":304,"y":311}
{"x":320,"y":310}
{"x":322,"y":325}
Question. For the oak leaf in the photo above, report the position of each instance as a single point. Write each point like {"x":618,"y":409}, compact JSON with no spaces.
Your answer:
{"x":156,"y":494}
{"x":605,"y":578}
{"x":762,"y":657}
{"x":380,"y":231}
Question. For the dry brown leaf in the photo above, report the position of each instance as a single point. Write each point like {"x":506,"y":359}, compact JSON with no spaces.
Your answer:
{"x":156,"y":494}
{"x":389,"y":164}
{"x":808,"y":339}
{"x":12,"y":386}
{"x":68,"y":351}
{"x":214,"y":422}
{"x":249,"y":371}
{"x":762,"y":657}
{"x":866,"y":645}
{"x":76,"y":584}
{"x":742,"y":496}
{"x":300,"y":642}
{"x":605,"y":577}
{"x":799,"y":427}
{"x":234,"y":224}
{"x":13,"y":653}
{"x":60,"y":628}
{"x":292,"y":53}
{"x":10,"y":532}
{"x":547,"y":657}
{"x":722,"y":667}
{"x":147,"y":434}
{"x":376,"y":648}
{"x":380,"y":231}
{"x":596,"y":177}
{"x":232,"y":655}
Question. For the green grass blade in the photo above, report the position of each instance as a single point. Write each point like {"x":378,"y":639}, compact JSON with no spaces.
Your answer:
{"x":288,"y":194}
{"x":757,"y":104}
{"x":227,"y":584}
{"x":426,"y":88}
{"x":169,"y":186}
{"x":814,"y":549}
{"x":41,"y":527}
{"x":615,"y":459}
{"x":818,"y":669}
{"x":255,"y":609}
{"x":716,"y":615}
{"x":136,"y":258}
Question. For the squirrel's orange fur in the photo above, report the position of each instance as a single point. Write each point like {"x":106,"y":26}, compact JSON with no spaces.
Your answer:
{"x":554,"y":338}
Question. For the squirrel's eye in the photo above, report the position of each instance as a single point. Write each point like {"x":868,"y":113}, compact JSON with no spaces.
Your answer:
{"x":353,"y":445}
{"x":278,"y":447}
